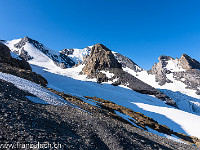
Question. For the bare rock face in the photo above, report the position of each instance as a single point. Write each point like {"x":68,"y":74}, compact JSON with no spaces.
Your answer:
{"x":188,"y":63}
{"x":126,"y":62}
{"x":160,"y":71}
{"x":100,"y":58}
{"x":5,"y":57}
{"x":67,"y":51}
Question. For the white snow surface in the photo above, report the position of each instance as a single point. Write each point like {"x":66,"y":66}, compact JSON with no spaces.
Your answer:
{"x":186,"y":99}
{"x":177,"y":120}
{"x":78,"y":54}
{"x":43,"y":96}
{"x":187,"y":121}
{"x":39,"y":58}
{"x":108,"y":74}
{"x":173,"y":65}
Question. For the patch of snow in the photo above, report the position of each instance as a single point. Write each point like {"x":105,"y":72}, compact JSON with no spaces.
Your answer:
{"x":108,"y":74}
{"x":173,"y":65}
{"x":42,"y":95}
{"x":11,"y":44}
{"x":78,"y":54}
{"x":188,"y":122}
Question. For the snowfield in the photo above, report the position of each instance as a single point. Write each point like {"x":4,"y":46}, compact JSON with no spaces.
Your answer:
{"x":43,"y":96}
{"x":78,"y":54}
{"x":177,"y":120}
{"x":185,"y":98}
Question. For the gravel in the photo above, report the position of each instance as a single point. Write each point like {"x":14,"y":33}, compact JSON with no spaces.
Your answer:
{"x":22,"y":121}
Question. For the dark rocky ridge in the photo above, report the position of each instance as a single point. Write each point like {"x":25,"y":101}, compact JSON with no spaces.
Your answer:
{"x":126,"y":62}
{"x":5,"y":57}
{"x":102,"y":59}
{"x":67,"y":51}
{"x":190,"y":77}
{"x":17,"y":67}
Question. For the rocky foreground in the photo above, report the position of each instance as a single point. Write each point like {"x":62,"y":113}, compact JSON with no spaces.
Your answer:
{"x":27,"y":122}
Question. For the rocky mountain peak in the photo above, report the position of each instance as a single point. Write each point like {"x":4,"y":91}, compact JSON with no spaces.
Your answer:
{"x":165,"y":58}
{"x":25,"y":40}
{"x":188,"y":63}
{"x":100,"y":58}
{"x":159,"y":70}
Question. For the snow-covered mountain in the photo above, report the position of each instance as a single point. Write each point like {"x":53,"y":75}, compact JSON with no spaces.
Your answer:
{"x":36,"y":53}
{"x":175,"y":81}
{"x":177,"y":78}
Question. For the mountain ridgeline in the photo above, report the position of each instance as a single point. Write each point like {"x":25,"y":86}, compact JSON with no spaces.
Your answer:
{"x":103,"y":94}
{"x":104,"y":65}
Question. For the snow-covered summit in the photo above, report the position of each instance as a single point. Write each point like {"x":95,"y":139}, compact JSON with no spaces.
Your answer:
{"x":36,"y":53}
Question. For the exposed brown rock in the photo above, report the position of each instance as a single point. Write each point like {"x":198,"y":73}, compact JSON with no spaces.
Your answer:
{"x":188,"y":63}
{"x":100,"y":58}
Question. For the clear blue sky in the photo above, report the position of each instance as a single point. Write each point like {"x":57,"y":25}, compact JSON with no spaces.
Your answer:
{"x":140,"y":29}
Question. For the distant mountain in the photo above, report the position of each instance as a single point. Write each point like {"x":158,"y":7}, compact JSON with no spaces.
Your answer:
{"x":35,"y":52}
{"x":177,"y":78}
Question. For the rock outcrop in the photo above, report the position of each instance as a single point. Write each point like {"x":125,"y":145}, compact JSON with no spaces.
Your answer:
{"x":187,"y":72}
{"x":188,"y":63}
{"x":18,"y":67}
{"x":5,"y":57}
{"x":126,"y":62}
{"x":100,"y":58}
{"x":160,"y":71}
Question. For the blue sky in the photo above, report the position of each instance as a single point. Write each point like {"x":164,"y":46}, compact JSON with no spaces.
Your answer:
{"x":140,"y":29}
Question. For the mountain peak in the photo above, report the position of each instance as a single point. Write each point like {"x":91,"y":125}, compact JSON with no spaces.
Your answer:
{"x":101,"y":47}
{"x":100,"y":58}
{"x":165,"y":58}
{"x":188,"y":63}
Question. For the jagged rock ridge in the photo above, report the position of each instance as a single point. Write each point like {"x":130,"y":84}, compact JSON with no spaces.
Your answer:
{"x":126,"y":62}
{"x":184,"y":69}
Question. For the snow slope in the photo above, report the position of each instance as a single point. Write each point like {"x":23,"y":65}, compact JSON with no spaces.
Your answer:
{"x":39,"y":58}
{"x":78,"y":54}
{"x":185,"y":98}
{"x":43,"y":96}
{"x":127,"y":98}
